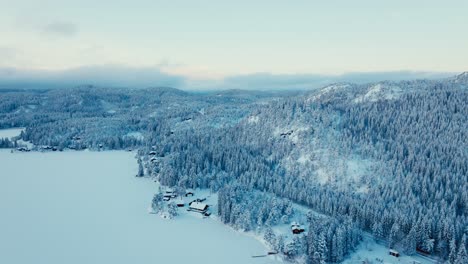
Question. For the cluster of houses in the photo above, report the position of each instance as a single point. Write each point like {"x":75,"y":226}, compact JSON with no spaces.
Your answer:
{"x":286,"y":134}
{"x":169,"y":194}
{"x":53,"y":148}
{"x":42,"y":148}
{"x":196,"y":205}
{"x":23,"y":149}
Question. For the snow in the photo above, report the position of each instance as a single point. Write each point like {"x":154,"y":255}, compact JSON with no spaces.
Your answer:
{"x":370,"y":250}
{"x":87,"y":207}
{"x":10,"y":132}
{"x":328,"y":90}
{"x":135,"y":135}
{"x":379,"y":92}
{"x":253,"y":119}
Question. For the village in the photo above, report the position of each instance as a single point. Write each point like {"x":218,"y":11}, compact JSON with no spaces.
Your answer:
{"x":203,"y":204}
{"x":169,"y":203}
{"x":174,"y":203}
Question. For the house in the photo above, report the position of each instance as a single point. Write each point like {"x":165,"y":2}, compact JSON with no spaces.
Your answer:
{"x":169,"y":196}
{"x":189,"y":193}
{"x":153,"y":159}
{"x":152,"y":153}
{"x":296,"y":228}
{"x":198,"y":207}
{"x":180,"y":203}
{"x":394,"y":253}
{"x":169,"y":193}
{"x":166,"y":198}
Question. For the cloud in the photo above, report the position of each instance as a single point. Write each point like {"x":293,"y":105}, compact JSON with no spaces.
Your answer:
{"x":267,"y":81}
{"x":61,"y":29}
{"x":102,"y":75}
{"x":7,"y":53}
{"x":140,"y":77}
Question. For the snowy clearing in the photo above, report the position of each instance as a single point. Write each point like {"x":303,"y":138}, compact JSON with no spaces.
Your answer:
{"x":10,"y":132}
{"x":87,"y":207}
{"x":376,"y":253}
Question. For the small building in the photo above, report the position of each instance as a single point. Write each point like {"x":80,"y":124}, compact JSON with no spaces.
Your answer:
{"x":152,"y":153}
{"x":180,"y":203}
{"x":166,"y":198}
{"x":296,"y":228}
{"x":169,"y":196}
{"x":207,"y":213}
{"x":394,"y":253}
{"x":198,"y":207}
{"x":170,"y":193}
{"x":189,"y":193}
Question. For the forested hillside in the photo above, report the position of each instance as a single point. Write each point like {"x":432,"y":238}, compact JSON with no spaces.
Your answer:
{"x":389,"y":158}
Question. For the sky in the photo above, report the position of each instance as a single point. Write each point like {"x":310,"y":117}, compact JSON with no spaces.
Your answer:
{"x":211,"y":42}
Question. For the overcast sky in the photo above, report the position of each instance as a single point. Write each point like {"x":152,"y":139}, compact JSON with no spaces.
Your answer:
{"x":192,"y":42}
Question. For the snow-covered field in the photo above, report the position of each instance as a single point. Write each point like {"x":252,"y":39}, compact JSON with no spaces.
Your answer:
{"x":10,"y":132}
{"x":87,"y":207}
{"x":376,"y":253}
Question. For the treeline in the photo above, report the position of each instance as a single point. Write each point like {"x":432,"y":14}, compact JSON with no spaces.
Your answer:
{"x":329,"y":240}
{"x":247,"y":209}
{"x":415,"y":193}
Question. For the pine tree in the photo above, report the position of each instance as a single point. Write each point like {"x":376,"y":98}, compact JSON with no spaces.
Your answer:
{"x":394,"y":233}
{"x":269,"y":236}
{"x":172,"y":210}
{"x":453,"y":252}
{"x":462,"y":257}
{"x":409,"y":244}
{"x":141,"y":171}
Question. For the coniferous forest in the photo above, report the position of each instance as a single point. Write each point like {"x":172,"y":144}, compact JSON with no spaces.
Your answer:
{"x":388,"y":159}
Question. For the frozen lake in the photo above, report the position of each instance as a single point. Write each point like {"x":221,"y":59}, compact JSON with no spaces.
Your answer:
{"x":87,"y":207}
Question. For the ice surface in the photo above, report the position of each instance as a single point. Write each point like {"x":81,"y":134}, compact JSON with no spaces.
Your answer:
{"x":87,"y":207}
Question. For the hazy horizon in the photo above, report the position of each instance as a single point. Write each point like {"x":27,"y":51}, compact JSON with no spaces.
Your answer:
{"x":223,"y":44}
{"x":129,"y":77}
